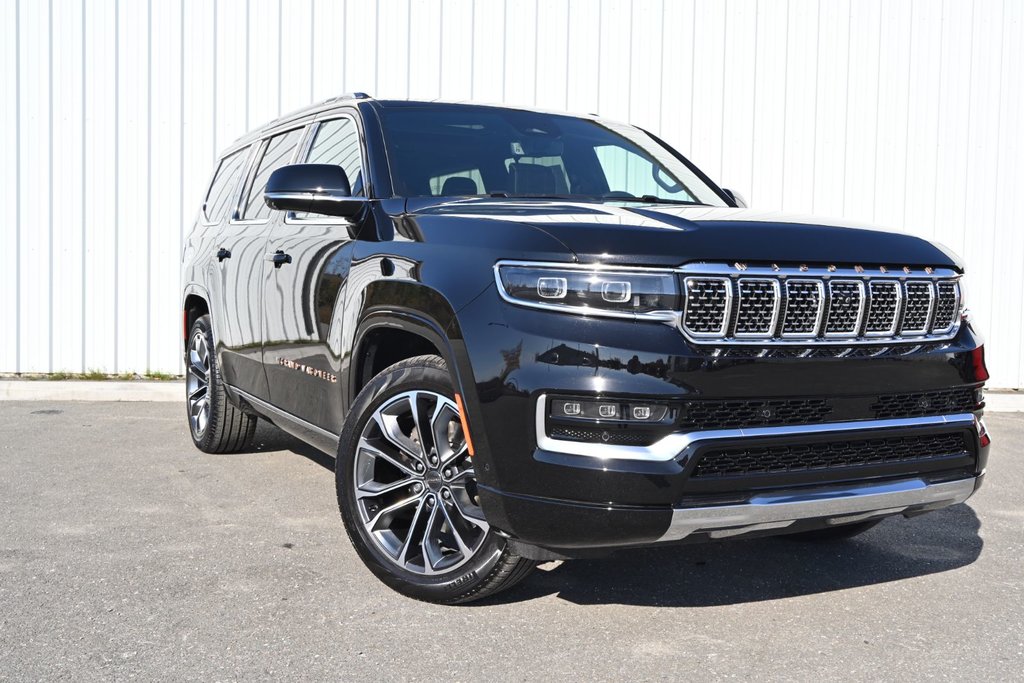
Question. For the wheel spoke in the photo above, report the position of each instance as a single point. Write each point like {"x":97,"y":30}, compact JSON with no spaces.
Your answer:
{"x":472,"y":519}
{"x":424,"y":435}
{"x":390,"y":509}
{"x":373,"y":488}
{"x":432,"y":554}
{"x":389,"y":428}
{"x":197,"y":393}
{"x":403,"y":550}
{"x":378,"y":453}
{"x":463,"y":548}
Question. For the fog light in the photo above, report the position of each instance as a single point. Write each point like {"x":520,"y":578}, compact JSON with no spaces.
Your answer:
{"x":571,"y":408}
{"x":608,"y":410}
{"x":641,"y":412}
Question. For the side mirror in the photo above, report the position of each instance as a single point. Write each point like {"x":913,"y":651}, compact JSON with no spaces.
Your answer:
{"x":313,"y":188}
{"x":736,"y":197}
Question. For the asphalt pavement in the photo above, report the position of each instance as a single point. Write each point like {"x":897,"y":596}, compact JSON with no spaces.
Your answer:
{"x":126,"y":553}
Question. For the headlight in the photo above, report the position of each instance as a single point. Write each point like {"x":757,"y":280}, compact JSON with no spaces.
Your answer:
{"x":587,"y":290}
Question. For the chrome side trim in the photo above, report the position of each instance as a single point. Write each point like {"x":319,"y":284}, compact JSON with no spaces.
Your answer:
{"x":681,"y":443}
{"x":837,"y":505}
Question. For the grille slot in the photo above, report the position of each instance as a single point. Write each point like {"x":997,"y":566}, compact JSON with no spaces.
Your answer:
{"x":708,"y":301}
{"x":919,"y":307}
{"x":828,"y":455}
{"x":947,"y":305}
{"x":845,"y":308}
{"x":883,"y":308}
{"x":611,"y":436}
{"x":758,"y":308}
{"x":805,"y":304}
{"x":925,"y":403}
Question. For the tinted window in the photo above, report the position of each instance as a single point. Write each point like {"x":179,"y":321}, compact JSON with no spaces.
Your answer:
{"x":447,"y":149}
{"x":225,"y":183}
{"x":337,"y":143}
{"x":278,"y":153}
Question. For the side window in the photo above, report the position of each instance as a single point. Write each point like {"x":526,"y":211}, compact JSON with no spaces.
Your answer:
{"x":627,"y":171}
{"x":337,"y":143}
{"x":278,"y":153}
{"x":225,"y":182}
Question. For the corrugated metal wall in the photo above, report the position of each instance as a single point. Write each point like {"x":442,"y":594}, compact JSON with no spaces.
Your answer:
{"x":902,"y":113}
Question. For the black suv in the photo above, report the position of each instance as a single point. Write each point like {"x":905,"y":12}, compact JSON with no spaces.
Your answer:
{"x":531,"y":336}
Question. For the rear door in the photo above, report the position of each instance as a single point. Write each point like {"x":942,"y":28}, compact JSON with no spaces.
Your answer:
{"x":241,"y":247}
{"x":302,"y":317}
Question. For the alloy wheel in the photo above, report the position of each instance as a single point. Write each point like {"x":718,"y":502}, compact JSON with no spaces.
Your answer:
{"x":415,"y":487}
{"x":197,"y":383}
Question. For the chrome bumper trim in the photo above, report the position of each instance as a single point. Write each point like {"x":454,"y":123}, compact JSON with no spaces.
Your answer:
{"x":837,"y":505}
{"x":679,"y":443}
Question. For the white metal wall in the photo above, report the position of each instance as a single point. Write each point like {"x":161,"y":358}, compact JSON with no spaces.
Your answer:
{"x":904,"y":113}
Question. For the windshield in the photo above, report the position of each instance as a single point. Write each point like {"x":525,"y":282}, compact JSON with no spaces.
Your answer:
{"x":460,"y":150}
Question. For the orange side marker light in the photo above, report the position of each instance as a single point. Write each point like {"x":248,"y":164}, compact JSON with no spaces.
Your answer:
{"x":465,"y":425}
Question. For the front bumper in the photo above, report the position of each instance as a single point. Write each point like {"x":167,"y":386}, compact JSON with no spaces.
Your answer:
{"x":581,"y":498}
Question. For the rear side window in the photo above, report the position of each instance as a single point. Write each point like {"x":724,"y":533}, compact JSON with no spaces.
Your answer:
{"x":225,"y":182}
{"x":337,"y":143}
{"x":278,"y":153}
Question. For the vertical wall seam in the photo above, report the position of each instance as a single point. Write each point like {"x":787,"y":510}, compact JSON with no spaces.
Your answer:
{"x":846,"y":109}
{"x":693,"y":69}
{"x":117,"y":175}
{"x":408,"y":48}
{"x":568,"y":38}
{"x":536,"y":47}
{"x":49,"y":123}
{"x":17,"y":187}
{"x":248,"y":55}
{"x":440,"y":46}
{"x":216,"y":66}
{"x":725,"y":86}
{"x":938,"y":101}
{"x":785,"y":113}
{"x":376,"y":50}
{"x":995,"y":179}
{"x":814,"y":133}
{"x":85,"y":261}
{"x":906,"y":128}
{"x":181,"y":163}
{"x":600,"y":28}
{"x":280,"y":53}
{"x":878,"y":109}
{"x":149,"y":185}
{"x":753,"y":107}
{"x":312,"y":50}
{"x":967,"y":160}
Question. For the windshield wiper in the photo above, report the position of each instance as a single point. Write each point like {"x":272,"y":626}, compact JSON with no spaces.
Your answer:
{"x":652,"y":199}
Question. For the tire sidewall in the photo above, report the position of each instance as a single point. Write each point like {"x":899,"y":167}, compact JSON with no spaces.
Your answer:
{"x":205,"y":441}
{"x":429,"y":376}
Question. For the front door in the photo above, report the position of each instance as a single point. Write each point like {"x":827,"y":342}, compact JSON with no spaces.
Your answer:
{"x":303,"y":290}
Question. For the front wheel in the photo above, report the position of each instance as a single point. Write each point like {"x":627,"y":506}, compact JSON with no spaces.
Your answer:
{"x":407,"y":490}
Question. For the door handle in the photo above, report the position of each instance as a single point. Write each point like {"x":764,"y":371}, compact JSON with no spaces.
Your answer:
{"x":222,"y":254}
{"x":279,"y":258}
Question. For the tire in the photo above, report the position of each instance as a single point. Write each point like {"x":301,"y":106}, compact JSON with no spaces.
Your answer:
{"x":411,"y":511}
{"x":216,"y":425}
{"x":834,"y":533}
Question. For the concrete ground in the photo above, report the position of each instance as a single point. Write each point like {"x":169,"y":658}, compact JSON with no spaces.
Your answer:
{"x":126,"y":553}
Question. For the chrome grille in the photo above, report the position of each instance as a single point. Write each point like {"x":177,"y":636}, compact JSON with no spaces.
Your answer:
{"x":918,"y":310}
{"x":758,"y":307}
{"x":804,"y":308}
{"x":708,"y":301}
{"x":845,"y":308}
{"x":883,"y":308}
{"x":744,"y":305}
{"x":947,"y":305}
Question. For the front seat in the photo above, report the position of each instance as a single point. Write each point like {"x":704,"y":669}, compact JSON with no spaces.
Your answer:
{"x":532,"y":179}
{"x":457,"y":186}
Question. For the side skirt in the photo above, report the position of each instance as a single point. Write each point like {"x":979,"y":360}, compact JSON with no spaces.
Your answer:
{"x":320,"y":439}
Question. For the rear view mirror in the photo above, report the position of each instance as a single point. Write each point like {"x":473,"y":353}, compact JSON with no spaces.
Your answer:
{"x":313,"y":188}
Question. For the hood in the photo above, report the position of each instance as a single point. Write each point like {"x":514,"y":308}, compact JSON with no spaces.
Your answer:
{"x":661,"y":235}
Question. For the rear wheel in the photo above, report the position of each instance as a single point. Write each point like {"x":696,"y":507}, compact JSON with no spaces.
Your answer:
{"x":407,"y":490}
{"x":215,"y":424}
